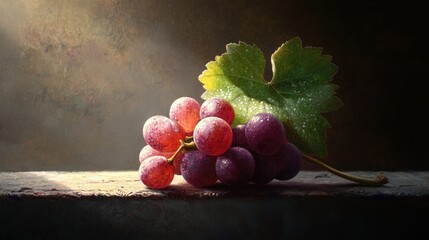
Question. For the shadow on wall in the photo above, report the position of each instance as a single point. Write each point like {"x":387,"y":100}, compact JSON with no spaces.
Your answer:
{"x":79,"y":78}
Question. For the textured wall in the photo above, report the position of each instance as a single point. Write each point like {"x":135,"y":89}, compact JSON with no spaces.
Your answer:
{"x":79,"y":78}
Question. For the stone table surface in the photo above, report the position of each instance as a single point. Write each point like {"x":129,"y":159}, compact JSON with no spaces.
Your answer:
{"x":116,"y":205}
{"x":126,"y":184}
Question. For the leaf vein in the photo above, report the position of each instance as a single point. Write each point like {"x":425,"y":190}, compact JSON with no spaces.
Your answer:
{"x":242,"y":56}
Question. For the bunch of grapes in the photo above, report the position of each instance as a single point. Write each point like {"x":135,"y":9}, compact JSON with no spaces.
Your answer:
{"x":198,"y":142}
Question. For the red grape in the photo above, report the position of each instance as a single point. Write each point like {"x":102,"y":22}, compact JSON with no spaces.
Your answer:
{"x":148,"y":151}
{"x":177,"y":162}
{"x":186,"y":112}
{"x":213,"y":136}
{"x":162,"y":133}
{"x":217,"y":107}
{"x":156,"y":173}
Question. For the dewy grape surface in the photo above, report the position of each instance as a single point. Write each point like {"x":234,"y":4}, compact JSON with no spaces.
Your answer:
{"x":216,"y":152}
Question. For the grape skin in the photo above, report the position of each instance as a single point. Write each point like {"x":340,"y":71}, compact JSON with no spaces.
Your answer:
{"x":239,"y":137}
{"x":148,"y":151}
{"x":217,"y":107}
{"x":289,"y":162}
{"x":265,"y":169}
{"x":265,"y":134}
{"x":186,"y":112}
{"x":162,"y":133}
{"x":177,"y":162}
{"x":156,"y":173}
{"x":257,"y":151}
{"x":213,"y":136}
{"x":198,"y":169}
{"x":235,"y":167}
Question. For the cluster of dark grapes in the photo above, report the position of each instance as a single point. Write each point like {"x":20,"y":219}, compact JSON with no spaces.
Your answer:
{"x":198,"y":142}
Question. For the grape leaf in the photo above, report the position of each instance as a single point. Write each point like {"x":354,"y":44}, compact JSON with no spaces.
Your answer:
{"x":297,"y":94}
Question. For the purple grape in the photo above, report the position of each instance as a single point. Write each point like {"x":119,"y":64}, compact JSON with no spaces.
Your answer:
{"x":235,"y":167}
{"x":217,"y":107}
{"x":238,"y":137}
{"x":265,"y":169}
{"x":213,"y":136}
{"x":289,"y":162}
{"x":265,"y":134}
{"x":199,"y":169}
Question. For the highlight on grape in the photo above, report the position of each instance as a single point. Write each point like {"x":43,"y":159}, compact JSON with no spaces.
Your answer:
{"x":199,"y":143}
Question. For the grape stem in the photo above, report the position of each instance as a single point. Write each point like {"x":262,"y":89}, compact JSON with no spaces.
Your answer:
{"x":189,"y":138}
{"x":378,"y":181}
{"x":183,"y":146}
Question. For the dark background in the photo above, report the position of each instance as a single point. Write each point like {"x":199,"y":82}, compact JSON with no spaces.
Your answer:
{"x":79,"y":78}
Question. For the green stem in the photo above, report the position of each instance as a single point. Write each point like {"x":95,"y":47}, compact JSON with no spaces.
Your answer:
{"x":378,"y":181}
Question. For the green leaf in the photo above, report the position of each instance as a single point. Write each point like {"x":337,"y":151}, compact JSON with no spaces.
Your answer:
{"x":297,"y":94}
